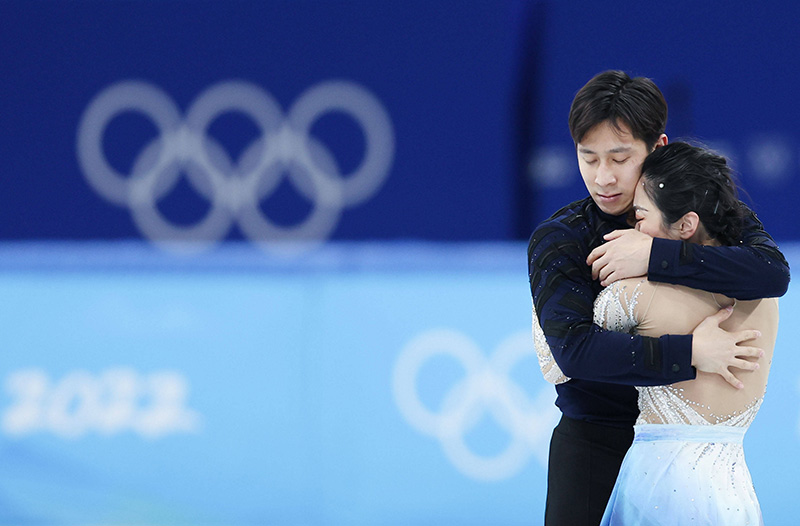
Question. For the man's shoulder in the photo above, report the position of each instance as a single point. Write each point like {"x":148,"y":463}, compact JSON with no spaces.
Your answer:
{"x":576,"y":210}
{"x":568,"y":218}
{"x":569,"y":225}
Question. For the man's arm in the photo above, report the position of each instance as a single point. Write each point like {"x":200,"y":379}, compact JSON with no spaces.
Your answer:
{"x":754,"y":269}
{"x":563,"y":297}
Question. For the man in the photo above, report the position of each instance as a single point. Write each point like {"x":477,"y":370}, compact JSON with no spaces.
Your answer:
{"x":615,"y":121}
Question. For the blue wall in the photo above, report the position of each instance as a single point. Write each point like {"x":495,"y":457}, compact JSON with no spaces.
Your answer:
{"x":361,"y":120}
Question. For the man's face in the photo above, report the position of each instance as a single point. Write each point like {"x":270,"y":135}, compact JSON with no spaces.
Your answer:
{"x":610,"y":161}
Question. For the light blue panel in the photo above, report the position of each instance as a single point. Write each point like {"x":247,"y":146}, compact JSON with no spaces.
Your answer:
{"x":236,"y":342}
{"x":366,"y":384}
{"x":772,"y":444}
{"x":396,"y":473}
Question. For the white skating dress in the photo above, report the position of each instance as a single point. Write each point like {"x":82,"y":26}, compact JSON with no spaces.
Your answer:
{"x":686,"y":465}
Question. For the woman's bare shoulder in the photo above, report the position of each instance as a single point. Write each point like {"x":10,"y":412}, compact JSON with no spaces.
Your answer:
{"x":665,"y":308}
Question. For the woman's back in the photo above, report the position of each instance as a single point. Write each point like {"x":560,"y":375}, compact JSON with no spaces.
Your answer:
{"x":655,"y":309}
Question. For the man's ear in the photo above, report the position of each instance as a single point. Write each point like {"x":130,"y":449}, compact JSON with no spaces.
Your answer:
{"x":662,"y":141}
{"x":688,"y":225}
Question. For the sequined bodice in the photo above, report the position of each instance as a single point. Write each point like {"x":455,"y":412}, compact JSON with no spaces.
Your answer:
{"x":615,"y":309}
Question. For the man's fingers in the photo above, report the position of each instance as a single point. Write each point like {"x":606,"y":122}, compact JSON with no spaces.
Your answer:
{"x":744,"y":365}
{"x":731,"y":379}
{"x":722,"y":315}
{"x":749,"y":352}
{"x":604,"y":273}
{"x":596,"y":254}
{"x":597,"y":267}
{"x":746,"y":335}
{"x":613,"y":235}
{"x":608,"y":279}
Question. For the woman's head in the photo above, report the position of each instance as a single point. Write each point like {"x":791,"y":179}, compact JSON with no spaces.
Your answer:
{"x":687,"y":192}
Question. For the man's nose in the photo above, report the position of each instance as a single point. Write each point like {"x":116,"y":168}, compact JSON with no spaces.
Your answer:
{"x":605,"y":175}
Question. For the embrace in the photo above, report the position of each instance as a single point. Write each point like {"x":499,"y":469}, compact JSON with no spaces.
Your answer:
{"x":655,"y":314}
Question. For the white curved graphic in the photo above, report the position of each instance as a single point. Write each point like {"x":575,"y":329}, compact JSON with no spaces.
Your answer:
{"x":235,"y":187}
{"x":486,"y":389}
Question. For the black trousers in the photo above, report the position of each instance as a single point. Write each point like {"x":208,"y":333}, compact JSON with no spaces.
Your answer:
{"x":584,"y":462}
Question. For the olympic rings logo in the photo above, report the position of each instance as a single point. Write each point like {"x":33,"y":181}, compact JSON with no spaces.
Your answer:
{"x":486,"y":388}
{"x":235,"y":188}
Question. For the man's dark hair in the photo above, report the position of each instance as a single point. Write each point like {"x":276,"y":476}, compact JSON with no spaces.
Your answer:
{"x":615,"y":97}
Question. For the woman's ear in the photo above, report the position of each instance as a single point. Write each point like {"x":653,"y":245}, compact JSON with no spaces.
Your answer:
{"x":688,"y":225}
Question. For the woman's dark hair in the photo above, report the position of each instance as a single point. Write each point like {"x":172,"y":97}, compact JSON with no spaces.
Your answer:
{"x":615,"y":97}
{"x":680,"y":178}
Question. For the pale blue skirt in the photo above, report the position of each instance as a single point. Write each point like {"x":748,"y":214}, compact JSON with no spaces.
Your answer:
{"x":675,"y":475}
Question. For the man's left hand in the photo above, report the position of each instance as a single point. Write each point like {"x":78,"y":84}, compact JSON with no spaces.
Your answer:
{"x":626,"y":254}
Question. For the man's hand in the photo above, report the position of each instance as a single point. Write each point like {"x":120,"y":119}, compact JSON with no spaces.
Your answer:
{"x":625,"y":255}
{"x":715,"y":350}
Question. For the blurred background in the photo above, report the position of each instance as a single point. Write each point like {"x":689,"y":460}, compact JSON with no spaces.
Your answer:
{"x":263,"y":262}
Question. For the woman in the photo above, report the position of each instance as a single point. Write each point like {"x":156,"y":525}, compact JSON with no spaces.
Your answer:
{"x":686,"y":465}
